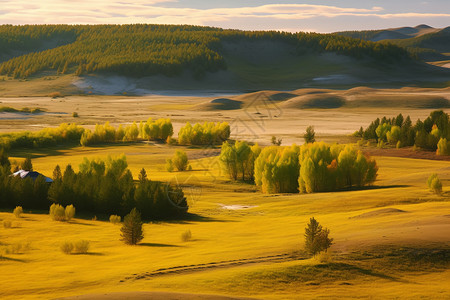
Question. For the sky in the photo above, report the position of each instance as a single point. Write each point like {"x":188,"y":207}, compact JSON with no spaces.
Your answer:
{"x":287,"y":15}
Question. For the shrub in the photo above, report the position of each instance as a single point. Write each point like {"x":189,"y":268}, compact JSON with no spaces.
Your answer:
{"x":275,"y":141}
{"x":132,"y":228}
{"x":310,"y":135}
{"x":7,"y":224}
{"x":434,"y":184}
{"x":115,"y":219}
{"x":69,"y":212}
{"x":81,"y":247}
{"x":398,"y":145}
{"x":18,"y":211}
{"x":186,"y":236}
{"x":66,"y":247}
{"x":75,"y":114}
{"x":180,"y":160}
{"x":18,"y":248}
{"x":324,"y":257}
{"x":57,"y":212}
{"x":316,"y":238}
{"x":169,"y":165}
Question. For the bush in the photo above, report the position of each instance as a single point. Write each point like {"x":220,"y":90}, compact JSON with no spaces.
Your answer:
{"x":169,"y":165}
{"x":115,"y":219}
{"x":310,"y":135}
{"x":316,"y":238}
{"x":66,"y":247}
{"x":18,"y":248}
{"x":75,"y":114}
{"x":57,"y":212}
{"x":132,"y":228}
{"x":7,"y":224}
{"x":69,"y":212}
{"x":18,"y":211}
{"x":81,"y":247}
{"x":275,"y":141}
{"x":186,"y":236}
{"x":324,"y":257}
{"x":434,"y":184}
{"x":180,"y":160}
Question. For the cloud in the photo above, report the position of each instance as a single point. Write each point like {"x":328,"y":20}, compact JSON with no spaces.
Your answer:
{"x":153,"y":11}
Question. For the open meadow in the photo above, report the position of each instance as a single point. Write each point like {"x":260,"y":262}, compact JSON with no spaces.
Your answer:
{"x":391,"y":239}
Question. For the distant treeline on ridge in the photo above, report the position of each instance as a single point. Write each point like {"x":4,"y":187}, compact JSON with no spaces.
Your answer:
{"x":144,"y":50}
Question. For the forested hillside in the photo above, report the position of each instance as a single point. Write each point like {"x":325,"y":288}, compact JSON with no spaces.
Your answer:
{"x":422,"y":41}
{"x":145,"y":50}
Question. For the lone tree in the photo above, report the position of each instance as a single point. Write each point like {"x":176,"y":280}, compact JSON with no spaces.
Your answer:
{"x":316,"y":238}
{"x":132,"y":228}
{"x":310,"y":135}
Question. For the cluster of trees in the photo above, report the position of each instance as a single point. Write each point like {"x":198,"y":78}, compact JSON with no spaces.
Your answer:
{"x":159,"y":130}
{"x":100,"y":186}
{"x":313,"y":167}
{"x":143,"y":50}
{"x":64,"y":134}
{"x":432,"y":134}
{"x":208,"y":133}
{"x":238,"y":159}
{"x":328,"y":168}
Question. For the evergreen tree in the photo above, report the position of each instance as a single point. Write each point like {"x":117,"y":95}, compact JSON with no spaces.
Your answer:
{"x":27,"y":165}
{"x":132,"y":232}
{"x":316,"y":238}
{"x":142,"y":176}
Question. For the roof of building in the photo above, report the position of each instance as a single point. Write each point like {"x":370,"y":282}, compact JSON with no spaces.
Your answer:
{"x":31,"y":174}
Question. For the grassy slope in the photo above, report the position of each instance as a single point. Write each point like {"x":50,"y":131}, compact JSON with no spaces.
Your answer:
{"x":275,"y":226}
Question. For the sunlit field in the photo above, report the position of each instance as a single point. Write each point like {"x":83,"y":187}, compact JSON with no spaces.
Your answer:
{"x":389,"y":239}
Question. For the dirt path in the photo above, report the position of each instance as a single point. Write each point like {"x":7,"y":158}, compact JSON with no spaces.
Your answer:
{"x":213,"y":265}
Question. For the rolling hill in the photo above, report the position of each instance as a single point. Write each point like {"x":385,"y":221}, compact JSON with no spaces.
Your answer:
{"x":426,"y":42}
{"x":143,"y":58}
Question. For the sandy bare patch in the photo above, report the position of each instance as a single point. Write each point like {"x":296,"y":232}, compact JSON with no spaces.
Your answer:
{"x":152,"y":296}
{"x":237,"y":206}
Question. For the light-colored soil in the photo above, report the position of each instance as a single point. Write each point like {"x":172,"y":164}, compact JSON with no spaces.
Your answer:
{"x":151,"y":296}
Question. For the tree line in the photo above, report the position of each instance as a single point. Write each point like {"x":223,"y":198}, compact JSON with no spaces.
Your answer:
{"x":313,"y":167}
{"x":432,"y":134}
{"x":143,"y":50}
{"x":161,"y":130}
{"x":208,"y":133}
{"x":100,"y":186}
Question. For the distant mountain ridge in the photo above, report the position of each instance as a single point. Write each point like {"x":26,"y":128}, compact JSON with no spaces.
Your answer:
{"x":423,"y":41}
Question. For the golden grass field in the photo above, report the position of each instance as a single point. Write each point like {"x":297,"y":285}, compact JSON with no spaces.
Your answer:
{"x":391,"y":241}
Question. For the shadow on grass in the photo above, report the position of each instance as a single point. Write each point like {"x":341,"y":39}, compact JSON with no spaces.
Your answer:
{"x":189,"y":218}
{"x":12,"y":259}
{"x":348,"y":267}
{"x":157,"y":245}
{"x":90,"y":253}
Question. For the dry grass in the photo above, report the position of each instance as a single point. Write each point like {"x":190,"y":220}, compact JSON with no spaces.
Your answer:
{"x":275,"y":225}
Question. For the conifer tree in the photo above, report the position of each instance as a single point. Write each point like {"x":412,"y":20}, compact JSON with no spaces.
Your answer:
{"x":132,"y":232}
{"x":316,"y":238}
